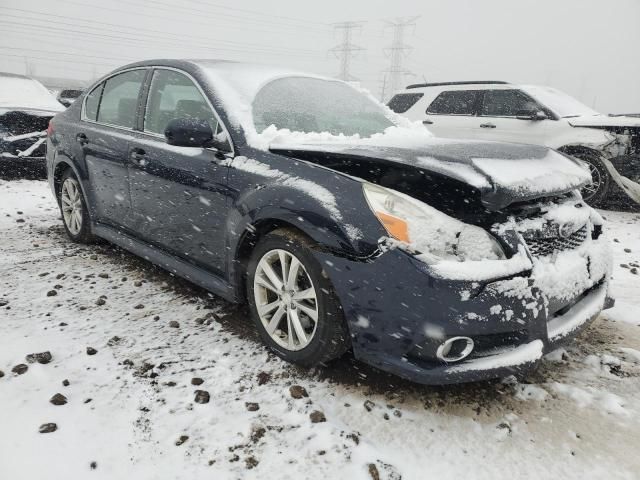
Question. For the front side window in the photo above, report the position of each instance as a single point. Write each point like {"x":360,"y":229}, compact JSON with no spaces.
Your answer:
{"x":306,"y":104}
{"x":455,"y":102}
{"x":506,"y":103}
{"x":120,"y":99}
{"x":173,"y":95}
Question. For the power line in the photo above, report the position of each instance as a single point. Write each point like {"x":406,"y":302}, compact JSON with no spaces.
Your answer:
{"x":397,"y":52}
{"x":155,"y":41}
{"x":155,"y":35}
{"x":346,"y":51}
{"x":259,"y":14}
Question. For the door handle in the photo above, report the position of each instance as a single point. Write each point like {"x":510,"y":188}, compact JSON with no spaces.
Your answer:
{"x":136,"y":156}
{"x":487,"y":125}
{"x":428,"y":122}
{"x":82,"y":139}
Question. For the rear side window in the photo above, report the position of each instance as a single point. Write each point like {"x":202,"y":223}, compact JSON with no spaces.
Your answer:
{"x":457,"y":102}
{"x":92,"y":102}
{"x":173,"y":95}
{"x":402,"y":102}
{"x":506,"y":103}
{"x":120,"y":99}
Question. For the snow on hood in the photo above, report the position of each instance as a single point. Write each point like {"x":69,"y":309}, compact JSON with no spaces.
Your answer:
{"x":503,"y":172}
{"x":600,"y":121}
{"x":22,"y":93}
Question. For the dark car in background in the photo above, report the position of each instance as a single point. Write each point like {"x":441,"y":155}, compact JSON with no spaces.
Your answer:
{"x":26,"y":107}
{"x":67,"y":97}
{"x":342,"y":225}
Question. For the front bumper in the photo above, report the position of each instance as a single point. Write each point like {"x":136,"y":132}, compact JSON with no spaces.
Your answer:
{"x":398,"y":314}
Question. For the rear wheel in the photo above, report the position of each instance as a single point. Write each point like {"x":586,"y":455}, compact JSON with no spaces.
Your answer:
{"x":596,"y":192}
{"x":75,"y":216}
{"x":292,"y":301}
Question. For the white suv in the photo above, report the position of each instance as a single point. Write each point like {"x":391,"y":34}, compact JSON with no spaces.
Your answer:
{"x":492,"y":110}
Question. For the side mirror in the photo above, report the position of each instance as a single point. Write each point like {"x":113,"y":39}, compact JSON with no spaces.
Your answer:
{"x":189,"y":132}
{"x":533,"y":115}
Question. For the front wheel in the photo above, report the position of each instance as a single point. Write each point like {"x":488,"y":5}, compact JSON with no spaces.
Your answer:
{"x":596,"y":192}
{"x":292,"y":301}
{"x":75,"y":215}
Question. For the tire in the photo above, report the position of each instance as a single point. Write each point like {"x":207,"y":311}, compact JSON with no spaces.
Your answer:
{"x":317,"y":343}
{"x":73,"y":208}
{"x":596,"y":193}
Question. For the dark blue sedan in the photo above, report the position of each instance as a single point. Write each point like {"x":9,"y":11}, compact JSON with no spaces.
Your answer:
{"x":342,"y":225}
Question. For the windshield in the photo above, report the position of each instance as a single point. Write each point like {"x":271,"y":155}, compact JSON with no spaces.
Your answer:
{"x":20,"y":92}
{"x":305,"y":104}
{"x":559,"y":102}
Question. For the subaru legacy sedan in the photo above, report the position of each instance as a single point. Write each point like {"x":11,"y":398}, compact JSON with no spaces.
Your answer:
{"x":342,"y":225}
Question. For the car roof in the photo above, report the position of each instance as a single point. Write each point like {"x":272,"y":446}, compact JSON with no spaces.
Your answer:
{"x":467,"y":85}
{"x":465,"y":82}
{"x":14,"y":75}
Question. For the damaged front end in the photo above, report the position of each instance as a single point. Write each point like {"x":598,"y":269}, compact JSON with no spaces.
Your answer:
{"x":443,"y":302}
{"x":23,"y":137}
{"x":619,"y":154}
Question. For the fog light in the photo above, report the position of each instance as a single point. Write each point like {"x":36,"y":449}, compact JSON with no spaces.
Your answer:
{"x":455,"y":349}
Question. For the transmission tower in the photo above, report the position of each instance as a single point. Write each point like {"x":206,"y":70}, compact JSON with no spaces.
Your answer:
{"x":397,"y":52}
{"x":347,"y":50}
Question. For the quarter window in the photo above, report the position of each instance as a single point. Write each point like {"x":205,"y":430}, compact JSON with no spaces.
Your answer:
{"x":506,"y":103}
{"x":173,"y":95}
{"x":402,"y":102}
{"x":92,"y":102}
{"x":455,"y":102}
{"x":120,"y":99}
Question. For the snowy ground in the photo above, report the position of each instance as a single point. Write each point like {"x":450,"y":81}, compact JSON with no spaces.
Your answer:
{"x":578,"y":416}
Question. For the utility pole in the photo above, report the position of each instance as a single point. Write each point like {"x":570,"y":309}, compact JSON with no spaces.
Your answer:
{"x":346,"y":51}
{"x":397,"y":52}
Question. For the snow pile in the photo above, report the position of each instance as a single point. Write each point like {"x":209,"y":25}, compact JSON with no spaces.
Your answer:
{"x":141,"y":421}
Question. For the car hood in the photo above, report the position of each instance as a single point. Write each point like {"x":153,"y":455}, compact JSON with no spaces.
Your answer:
{"x":604,"y":121}
{"x":503,"y":173}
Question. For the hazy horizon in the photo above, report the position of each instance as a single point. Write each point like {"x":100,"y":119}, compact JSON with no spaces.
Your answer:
{"x":587,"y":48}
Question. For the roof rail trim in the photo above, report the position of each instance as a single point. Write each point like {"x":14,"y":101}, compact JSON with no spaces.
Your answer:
{"x":468,"y":82}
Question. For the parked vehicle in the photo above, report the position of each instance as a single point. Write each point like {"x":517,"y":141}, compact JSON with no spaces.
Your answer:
{"x":26,"y":107}
{"x":342,"y":224}
{"x":67,"y":97}
{"x":492,"y":110}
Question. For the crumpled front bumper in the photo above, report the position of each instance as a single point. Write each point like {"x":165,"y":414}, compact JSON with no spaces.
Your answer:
{"x":398,"y":314}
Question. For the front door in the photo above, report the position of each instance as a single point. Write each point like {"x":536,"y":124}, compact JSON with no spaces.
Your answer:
{"x":179,"y":194}
{"x":497,"y":118}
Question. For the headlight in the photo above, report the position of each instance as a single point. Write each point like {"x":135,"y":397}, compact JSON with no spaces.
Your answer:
{"x":426,"y":230}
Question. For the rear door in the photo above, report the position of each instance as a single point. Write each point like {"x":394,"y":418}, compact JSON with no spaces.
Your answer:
{"x":452,"y":114}
{"x":179,"y":194}
{"x":103,"y":136}
{"x":497,"y":118}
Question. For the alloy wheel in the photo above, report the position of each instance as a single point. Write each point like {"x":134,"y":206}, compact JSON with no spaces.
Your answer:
{"x":71,"y":202}
{"x":286,"y":299}
{"x":590,"y":190}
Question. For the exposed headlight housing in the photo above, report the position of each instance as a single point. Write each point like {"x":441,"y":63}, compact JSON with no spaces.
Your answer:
{"x":428,"y":231}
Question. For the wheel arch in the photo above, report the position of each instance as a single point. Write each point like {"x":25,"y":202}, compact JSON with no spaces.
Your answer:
{"x":58,"y":171}
{"x":576,"y":148}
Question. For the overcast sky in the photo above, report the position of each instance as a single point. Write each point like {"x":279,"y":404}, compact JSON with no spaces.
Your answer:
{"x":588,"y":48}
